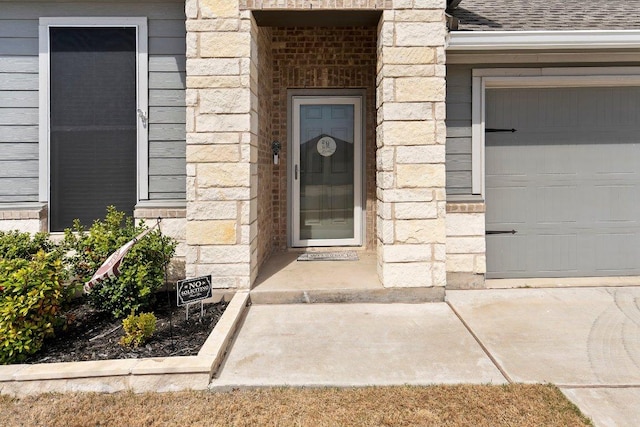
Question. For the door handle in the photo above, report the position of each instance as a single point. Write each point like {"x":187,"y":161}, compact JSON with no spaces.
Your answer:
{"x":295,"y":172}
{"x":501,"y":232}
{"x":489,"y":130}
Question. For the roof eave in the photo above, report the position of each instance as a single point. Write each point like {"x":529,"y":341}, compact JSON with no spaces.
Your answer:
{"x":542,"y":40}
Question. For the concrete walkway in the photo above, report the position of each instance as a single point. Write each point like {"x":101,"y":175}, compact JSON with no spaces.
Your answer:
{"x":585,"y":340}
{"x":354,"y":345}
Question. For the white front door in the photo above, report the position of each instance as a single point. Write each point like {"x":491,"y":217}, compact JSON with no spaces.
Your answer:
{"x":327,"y":170}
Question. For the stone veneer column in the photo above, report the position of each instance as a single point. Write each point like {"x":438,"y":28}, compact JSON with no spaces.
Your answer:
{"x":466,"y":246}
{"x":411,"y":144}
{"x":221,"y":144}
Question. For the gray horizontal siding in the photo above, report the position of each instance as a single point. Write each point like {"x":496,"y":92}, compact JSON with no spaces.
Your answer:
{"x":459,"y":163}
{"x":167,"y":63}
{"x":18,"y":99}
{"x":18,"y":116}
{"x":34,"y":9}
{"x":18,"y":27}
{"x":166,"y":28}
{"x":18,"y":189}
{"x":168,"y":114}
{"x":168,"y":166}
{"x":167,"y":45}
{"x":19,"y":91}
{"x":19,"y":151}
{"x":458,"y":160}
{"x":19,"y":46}
{"x":167,"y":187}
{"x":167,"y":80}
{"x":18,"y":168}
{"x":169,"y":184}
{"x":18,"y":81}
{"x":166,"y":98}
{"x":164,"y":149}
{"x":20,"y":134}
{"x":19,"y":64}
{"x":458,"y":183}
{"x":167,"y":132}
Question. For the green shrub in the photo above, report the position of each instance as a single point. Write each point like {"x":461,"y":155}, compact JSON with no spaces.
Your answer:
{"x":142,"y":270}
{"x":31,"y":295}
{"x":138,"y":329}
{"x":14,"y":244}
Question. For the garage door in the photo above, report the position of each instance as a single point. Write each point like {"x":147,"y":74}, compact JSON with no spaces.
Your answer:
{"x":567,"y":182}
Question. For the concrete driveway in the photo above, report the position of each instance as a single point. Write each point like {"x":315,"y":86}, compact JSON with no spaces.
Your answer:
{"x":585,"y":340}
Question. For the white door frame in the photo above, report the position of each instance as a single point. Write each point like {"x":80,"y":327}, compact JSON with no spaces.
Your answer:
{"x":142,"y":87}
{"x":294,"y":174}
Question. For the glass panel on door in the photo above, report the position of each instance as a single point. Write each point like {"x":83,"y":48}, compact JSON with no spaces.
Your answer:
{"x":326,"y":171}
{"x":327,"y":189}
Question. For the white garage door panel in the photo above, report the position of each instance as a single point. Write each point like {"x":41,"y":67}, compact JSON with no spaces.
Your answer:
{"x":568,"y":181}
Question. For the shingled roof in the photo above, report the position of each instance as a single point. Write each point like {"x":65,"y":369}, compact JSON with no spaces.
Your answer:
{"x":537,"y":15}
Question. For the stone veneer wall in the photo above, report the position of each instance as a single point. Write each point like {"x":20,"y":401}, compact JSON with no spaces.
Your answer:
{"x":222,"y":143}
{"x":466,"y":259}
{"x":411,"y":144}
{"x":173,"y":224}
{"x":223,"y":140}
{"x":314,"y":58}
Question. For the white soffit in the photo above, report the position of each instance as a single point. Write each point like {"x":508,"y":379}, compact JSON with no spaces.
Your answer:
{"x":512,"y":40}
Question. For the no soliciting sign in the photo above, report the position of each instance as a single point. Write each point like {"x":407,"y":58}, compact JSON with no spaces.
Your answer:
{"x":194,"y":290}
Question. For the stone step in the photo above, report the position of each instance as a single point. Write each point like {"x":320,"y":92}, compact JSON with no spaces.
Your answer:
{"x":331,"y":296}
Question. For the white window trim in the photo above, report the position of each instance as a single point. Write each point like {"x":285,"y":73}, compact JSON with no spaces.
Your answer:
{"x":142,"y":96}
{"x":493,"y":78}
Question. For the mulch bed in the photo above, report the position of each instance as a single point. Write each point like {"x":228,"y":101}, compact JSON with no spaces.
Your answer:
{"x":92,"y":335}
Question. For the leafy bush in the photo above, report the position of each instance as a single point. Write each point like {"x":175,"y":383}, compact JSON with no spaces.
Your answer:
{"x":142,"y":269}
{"x":31,"y":295}
{"x":138,"y":329}
{"x":14,"y":244}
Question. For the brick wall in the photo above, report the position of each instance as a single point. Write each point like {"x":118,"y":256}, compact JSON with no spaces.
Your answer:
{"x":28,"y":219}
{"x":322,"y":58}
{"x":265,"y":154}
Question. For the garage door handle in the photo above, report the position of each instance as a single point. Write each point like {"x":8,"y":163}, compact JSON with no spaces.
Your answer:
{"x":499,"y":130}
{"x":501,"y":232}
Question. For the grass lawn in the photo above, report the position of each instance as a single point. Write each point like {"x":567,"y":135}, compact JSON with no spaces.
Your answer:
{"x":460,"y":405}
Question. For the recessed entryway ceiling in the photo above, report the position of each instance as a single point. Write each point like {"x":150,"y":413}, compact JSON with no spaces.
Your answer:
{"x":317,"y":18}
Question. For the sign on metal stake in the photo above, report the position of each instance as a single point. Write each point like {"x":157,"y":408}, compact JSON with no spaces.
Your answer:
{"x":201,"y":309}
{"x":190,"y":291}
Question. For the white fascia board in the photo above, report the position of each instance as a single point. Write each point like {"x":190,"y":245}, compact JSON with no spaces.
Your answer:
{"x":543,"y":40}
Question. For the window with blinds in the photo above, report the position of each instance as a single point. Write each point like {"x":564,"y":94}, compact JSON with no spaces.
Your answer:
{"x":93,"y":136}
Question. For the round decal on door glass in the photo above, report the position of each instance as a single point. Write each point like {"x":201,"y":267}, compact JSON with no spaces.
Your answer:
{"x":326,"y":146}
